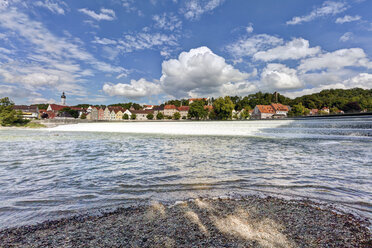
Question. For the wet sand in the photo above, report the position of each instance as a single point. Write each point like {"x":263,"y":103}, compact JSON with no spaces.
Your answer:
{"x":247,"y":222}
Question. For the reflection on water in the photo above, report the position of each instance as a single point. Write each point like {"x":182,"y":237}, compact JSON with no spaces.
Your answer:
{"x":54,"y":173}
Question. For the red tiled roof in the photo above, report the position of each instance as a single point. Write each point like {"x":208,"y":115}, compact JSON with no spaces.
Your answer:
{"x":142,"y":111}
{"x":209,"y":107}
{"x":268,"y":109}
{"x":170,"y":107}
{"x":279,"y":107}
{"x":183,"y":108}
{"x":56,"y":107}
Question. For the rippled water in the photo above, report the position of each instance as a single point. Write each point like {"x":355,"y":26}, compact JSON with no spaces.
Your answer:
{"x":47,"y":174}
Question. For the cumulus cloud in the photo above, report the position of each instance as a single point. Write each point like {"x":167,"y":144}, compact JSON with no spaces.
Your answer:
{"x":328,"y":8}
{"x":363,"y":80}
{"x":250,"y":45}
{"x":346,"y":36}
{"x":280,"y":77}
{"x":348,"y":18}
{"x":53,"y":6}
{"x":106,"y":14}
{"x":195,"y":8}
{"x":295,"y":49}
{"x":336,"y":60}
{"x":133,"y":90}
{"x":200,"y":72}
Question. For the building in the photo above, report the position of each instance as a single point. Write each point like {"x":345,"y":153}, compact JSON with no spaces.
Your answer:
{"x":169,"y":110}
{"x":101,"y":114}
{"x":63,"y":99}
{"x":141,"y":115}
{"x":263,"y":112}
{"x":281,"y":110}
{"x":325,"y":109}
{"x":28,"y":112}
{"x":119,"y":114}
{"x":158,"y":109}
{"x":148,"y":107}
{"x":313,"y":111}
{"x":184,"y":111}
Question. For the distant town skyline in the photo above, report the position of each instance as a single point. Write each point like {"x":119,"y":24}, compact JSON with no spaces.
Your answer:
{"x":104,"y":52}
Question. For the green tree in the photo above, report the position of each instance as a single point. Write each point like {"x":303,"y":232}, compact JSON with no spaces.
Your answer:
{"x":150,"y":116}
{"x":197,"y":110}
{"x":159,"y":116}
{"x":352,"y":107}
{"x":74,"y":113}
{"x":8,"y":116}
{"x":176,"y":116}
{"x":223,"y":108}
{"x":244,"y":114}
{"x":83,"y":116}
{"x":298,"y":110}
{"x":133,"y":116}
{"x":125,"y":116}
{"x":212,"y":115}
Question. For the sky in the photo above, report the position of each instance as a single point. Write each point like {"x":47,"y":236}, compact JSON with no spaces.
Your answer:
{"x":150,"y":51}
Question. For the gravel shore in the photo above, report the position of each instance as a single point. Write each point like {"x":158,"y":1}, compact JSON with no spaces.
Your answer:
{"x":247,"y":222}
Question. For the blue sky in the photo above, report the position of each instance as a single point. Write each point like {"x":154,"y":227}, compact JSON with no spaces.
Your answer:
{"x":148,"y":51}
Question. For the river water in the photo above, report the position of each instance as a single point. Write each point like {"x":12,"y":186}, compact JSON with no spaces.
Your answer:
{"x":83,"y":168}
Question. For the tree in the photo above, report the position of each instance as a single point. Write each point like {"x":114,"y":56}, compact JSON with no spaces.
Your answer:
{"x":74,"y":113}
{"x":352,"y":107}
{"x":197,"y":110}
{"x":223,"y":108}
{"x":212,"y":115}
{"x":176,"y":116}
{"x":150,"y":116}
{"x":244,"y":114}
{"x":160,"y":116}
{"x":298,"y":110}
{"x":8,"y":116}
{"x":83,"y":116}
{"x":133,"y":116}
{"x":125,"y":116}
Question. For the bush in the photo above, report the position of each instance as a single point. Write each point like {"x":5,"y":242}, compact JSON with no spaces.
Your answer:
{"x":133,"y":116}
{"x":159,"y":116}
{"x":125,"y":117}
{"x":177,"y":116}
{"x":83,"y":116}
{"x":150,"y":116}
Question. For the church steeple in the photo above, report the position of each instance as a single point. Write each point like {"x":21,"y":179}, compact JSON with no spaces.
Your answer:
{"x":63,"y":99}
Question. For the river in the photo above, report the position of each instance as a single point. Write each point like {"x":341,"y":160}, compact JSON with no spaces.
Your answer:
{"x":83,"y":168}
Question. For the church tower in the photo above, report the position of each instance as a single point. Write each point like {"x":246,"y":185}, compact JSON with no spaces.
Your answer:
{"x":63,"y":99}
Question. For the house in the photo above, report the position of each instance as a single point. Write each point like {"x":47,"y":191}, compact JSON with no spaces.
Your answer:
{"x":325,"y":109}
{"x":106,"y":114}
{"x":147,"y":107}
{"x":263,"y":112}
{"x":128,"y":112}
{"x":94,"y":113}
{"x":183,"y":110}
{"x":119,"y":114}
{"x":313,"y":111}
{"x":281,"y":110}
{"x":158,"y":109}
{"x":101,"y":114}
{"x":169,"y":110}
{"x":28,"y":112}
{"x":141,"y":115}
{"x":112,"y":115}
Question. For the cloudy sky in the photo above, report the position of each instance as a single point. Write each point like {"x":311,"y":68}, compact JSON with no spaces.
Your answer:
{"x":148,"y":51}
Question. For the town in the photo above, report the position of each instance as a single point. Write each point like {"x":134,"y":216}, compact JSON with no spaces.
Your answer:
{"x":222,"y":108}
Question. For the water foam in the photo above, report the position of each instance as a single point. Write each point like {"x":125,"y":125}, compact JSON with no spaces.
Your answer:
{"x":215,"y":128}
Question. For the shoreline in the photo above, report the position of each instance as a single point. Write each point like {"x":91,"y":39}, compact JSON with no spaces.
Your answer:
{"x":250,"y":221}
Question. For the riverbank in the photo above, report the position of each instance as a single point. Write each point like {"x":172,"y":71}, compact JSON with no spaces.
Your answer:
{"x":248,"y":222}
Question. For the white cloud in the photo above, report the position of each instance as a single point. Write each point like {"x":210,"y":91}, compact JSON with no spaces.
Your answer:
{"x":134,"y":90}
{"x":249,"y":28}
{"x":200,"y":72}
{"x":328,"y":8}
{"x":167,"y":21}
{"x":294,"y":49}
{"x":106,"y":14}
{"x":363,"y":80}
{"x":348,"y":18}
{"x":38,"y":100}
{"x":195,"y":8}
{"x":104,"y":41}
{"x":143,"y":41}
{"x":53,"y":6}
{"x":280,"y":77}
{"x":346,"y":36}
{"x":336,"y":60}
{"x":251,"y":45}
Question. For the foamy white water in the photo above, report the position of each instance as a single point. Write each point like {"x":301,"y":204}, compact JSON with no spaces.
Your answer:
{"x":215,"y":128}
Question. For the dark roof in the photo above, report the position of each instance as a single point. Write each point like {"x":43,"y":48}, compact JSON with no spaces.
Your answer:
{"x":25,"y":108}
{"x":157,"y":108}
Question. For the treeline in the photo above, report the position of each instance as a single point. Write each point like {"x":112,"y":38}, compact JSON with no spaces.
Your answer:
{"x":346,"y":100}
